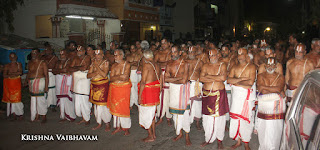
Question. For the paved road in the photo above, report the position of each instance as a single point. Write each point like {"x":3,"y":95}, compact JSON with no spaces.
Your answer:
{"x":11,"y":131}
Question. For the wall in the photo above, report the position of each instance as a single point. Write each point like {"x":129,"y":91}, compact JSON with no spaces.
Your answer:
{"x":116,"y":7}
{"x":24,"y":17}
{"x":112,"y":26}
{"x":183,"y":18}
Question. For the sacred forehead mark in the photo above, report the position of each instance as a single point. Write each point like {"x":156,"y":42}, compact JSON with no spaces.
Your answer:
{"x":270,"y":61}
{"x":240,"y":51}
{"x":97,"y":51}
{"x":190,"y":49}
{"x":299,"y":48}
{"x":79,"y":48}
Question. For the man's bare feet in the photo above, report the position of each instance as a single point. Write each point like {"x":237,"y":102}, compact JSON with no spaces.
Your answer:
{"x":87,"y":123}
{"x":82,"y":121}
{"x":236,"y":145}
{"x":126,"y":132}
{"x":178,"y":137}
{"x":62,"y":120}
{"x":20,"y":118}
{"x":205,"y":144}
{"x":97,"y":127}
{"x":116,"y":131}
{"x":159,"y":122}
{"x":37,"y":117}
{"x":220,"y":145}
{"x":198,"y":125}
{"x":169,"y":122}
{"x":148,"y":139}
{"x":188,"y":141}
{"x":108,"y":127}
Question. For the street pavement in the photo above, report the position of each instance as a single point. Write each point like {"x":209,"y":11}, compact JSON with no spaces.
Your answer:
{"x":11,"y":131}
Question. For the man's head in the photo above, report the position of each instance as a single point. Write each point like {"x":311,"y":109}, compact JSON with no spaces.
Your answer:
{"x":175,"y":52}
{"x":133,"y":48}
{"x":90,"y":49}
{"x":300,"y":51}
{"x":148,"y":55}
{"x":293,"y":39}
{"x":71,"y":45}
{"x":214,"y":55}
{"x":80,"y":51}
{"x":138,"y":44}
{"x":13,"y":57}
{"x":35,"y":53}
{"x":153,"y":47}
{"x":242,"y":54}
{"x":164,"y":44}
{"x":98,"y":54}
{"x":63,"y":54}
{"x":315,"y":45}
{"x":225,"y":50}
{"x":48,"y":48}
{"x":118,"y":55}
{"x":269,"y":52}
{"x":114,"y":45}
{"x":192,"y":52}
{"x":271,"y":65}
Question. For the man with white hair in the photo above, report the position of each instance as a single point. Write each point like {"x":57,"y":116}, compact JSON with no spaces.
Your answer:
{"x":314,"y":54}
{"x":149,"y":90}
{"x":272,"y":107}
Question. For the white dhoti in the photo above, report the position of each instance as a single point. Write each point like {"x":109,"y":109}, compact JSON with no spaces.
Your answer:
{"x":38,"y":106}
{"x":146,"y":115}
{"x":228,"y":90}
{"x":163,"y":108}
{"x":135,"y":79}
{"x":195,"y":101}
{"x":123,"y":122}
{"x":15,"y":108}
{"x":65,"y":97}
{"x":290,"y":94}
{"x":51,"y":97}
{"x":269,"y":134}
{"x":102,"y":112}
{"x":241,"y":124}
{"x":214,"y":127}
{"x":179,"y":106}
{"x":81,"y":90}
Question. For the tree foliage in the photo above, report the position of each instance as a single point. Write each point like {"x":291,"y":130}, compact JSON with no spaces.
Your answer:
{"x":6,"y":11}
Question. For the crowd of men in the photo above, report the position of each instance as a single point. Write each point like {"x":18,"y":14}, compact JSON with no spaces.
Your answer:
{"x":230,"y":86}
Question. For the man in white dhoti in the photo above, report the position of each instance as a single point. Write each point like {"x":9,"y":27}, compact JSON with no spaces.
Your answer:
{"x":38,"y":80}
{"x":81,"y":85}
{"x":99,"y":88}
{"x":271,"y":107}
{"x":296,"y":69}
{"x":195,"y":66}
{"x":242,"y":77}
{"x":149,"y":90}
{"x":214,"y":99}
{"x":12,"y":87}
{"x":51,"y":61}
{"x":63,"y":88}
{"x":177,"y":76}
{"x":135,"y":78}
{"x":162,"y":57}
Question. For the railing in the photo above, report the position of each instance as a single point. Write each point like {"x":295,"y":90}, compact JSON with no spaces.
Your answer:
{"x":143,"y":2}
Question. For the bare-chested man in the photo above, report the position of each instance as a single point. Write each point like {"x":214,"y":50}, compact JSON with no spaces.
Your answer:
{"x":242,"y":77}
{"x":119,"y":93}
{"x":98,"y":72}
{"x":71,"y":49}
{"x":269,"y":52}
{"x":195,"y":66}
{"x":290,"y":53}
{"x":279,"y":53}
{"x":109,"y":53}
{"x":259,"y":57}
{"x":90,"y":51}
{"x":51,"y":59}
{"x":81,"y":85}
{"x":134,"y":58}
{"x":214,"y":96}
{"x":272,"y":106}
{"x":296,"y":69}
{"x":162,"y":57}
{"x":314,"y":54}
{"x":177,"y":77}
{"x":12,"y":87}
{"x":38,"y":80}
{"x":63,"y":87}
{"x":149,"y":94}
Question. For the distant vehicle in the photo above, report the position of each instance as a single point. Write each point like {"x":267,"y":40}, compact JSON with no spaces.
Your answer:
{"x":301,"y":127}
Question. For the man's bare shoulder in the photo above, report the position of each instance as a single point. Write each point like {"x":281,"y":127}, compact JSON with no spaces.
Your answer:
{"x":290,"y":61}
{"x":252,"y":66}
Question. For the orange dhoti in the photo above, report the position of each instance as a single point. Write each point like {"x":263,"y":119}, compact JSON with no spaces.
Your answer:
{"x":119,"y":99}
{"x":12,"y":95}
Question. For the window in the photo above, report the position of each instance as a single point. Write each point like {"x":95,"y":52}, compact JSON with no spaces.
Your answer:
{"x":43,"y":26}
{"x":308,"y":116}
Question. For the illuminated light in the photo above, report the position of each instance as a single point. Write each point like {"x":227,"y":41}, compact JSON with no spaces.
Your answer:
{"x":121,"y":25}
{"x":73,"y":16}
{"x":303,"y":32}
{"x":249,"y":28}
{"x":153,"y":27}
{"x":87,"y":18}
{"x":268,"y":29}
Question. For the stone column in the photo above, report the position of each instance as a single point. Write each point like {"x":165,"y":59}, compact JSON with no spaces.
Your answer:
{"x":56,"y":20}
